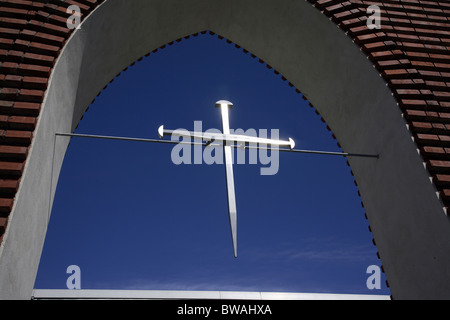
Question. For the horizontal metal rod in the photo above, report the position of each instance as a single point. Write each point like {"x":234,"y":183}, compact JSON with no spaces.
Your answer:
{"x":90,"y":136}
{"x":208,"y":144}
{"x":329,"y":153}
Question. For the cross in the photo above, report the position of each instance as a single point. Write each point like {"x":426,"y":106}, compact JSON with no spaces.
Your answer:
{"x":227,"y":139}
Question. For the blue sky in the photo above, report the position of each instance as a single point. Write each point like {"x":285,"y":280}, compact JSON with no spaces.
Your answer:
{"x":131,"y":219}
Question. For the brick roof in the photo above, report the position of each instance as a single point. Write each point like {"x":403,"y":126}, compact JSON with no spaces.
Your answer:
{"x":32,"y":34}
{"x":411,"y":52}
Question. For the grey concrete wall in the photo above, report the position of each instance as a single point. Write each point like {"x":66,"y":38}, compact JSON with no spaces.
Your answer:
{"x":407,"y":220}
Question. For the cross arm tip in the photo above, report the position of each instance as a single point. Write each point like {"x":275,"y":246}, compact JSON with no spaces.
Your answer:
{"x":291,"y":143}
{"x":161,"y":131}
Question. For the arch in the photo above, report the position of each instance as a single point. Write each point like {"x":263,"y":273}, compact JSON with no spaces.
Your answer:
{"x":407,"y":219}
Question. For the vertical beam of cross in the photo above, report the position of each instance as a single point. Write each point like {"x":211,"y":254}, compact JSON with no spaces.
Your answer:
{"x":232,"y":212}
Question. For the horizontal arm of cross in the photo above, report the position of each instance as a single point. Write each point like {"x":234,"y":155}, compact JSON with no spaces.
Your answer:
{"x":226,"y":139}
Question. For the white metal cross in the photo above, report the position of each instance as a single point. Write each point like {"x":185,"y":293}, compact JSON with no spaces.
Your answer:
{"x":228,"y":140}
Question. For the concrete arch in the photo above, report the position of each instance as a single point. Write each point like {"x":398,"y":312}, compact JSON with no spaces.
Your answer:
{"x":412,"y":232}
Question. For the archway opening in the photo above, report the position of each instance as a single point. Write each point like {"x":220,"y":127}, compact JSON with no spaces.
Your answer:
{"x":130,"y":218}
